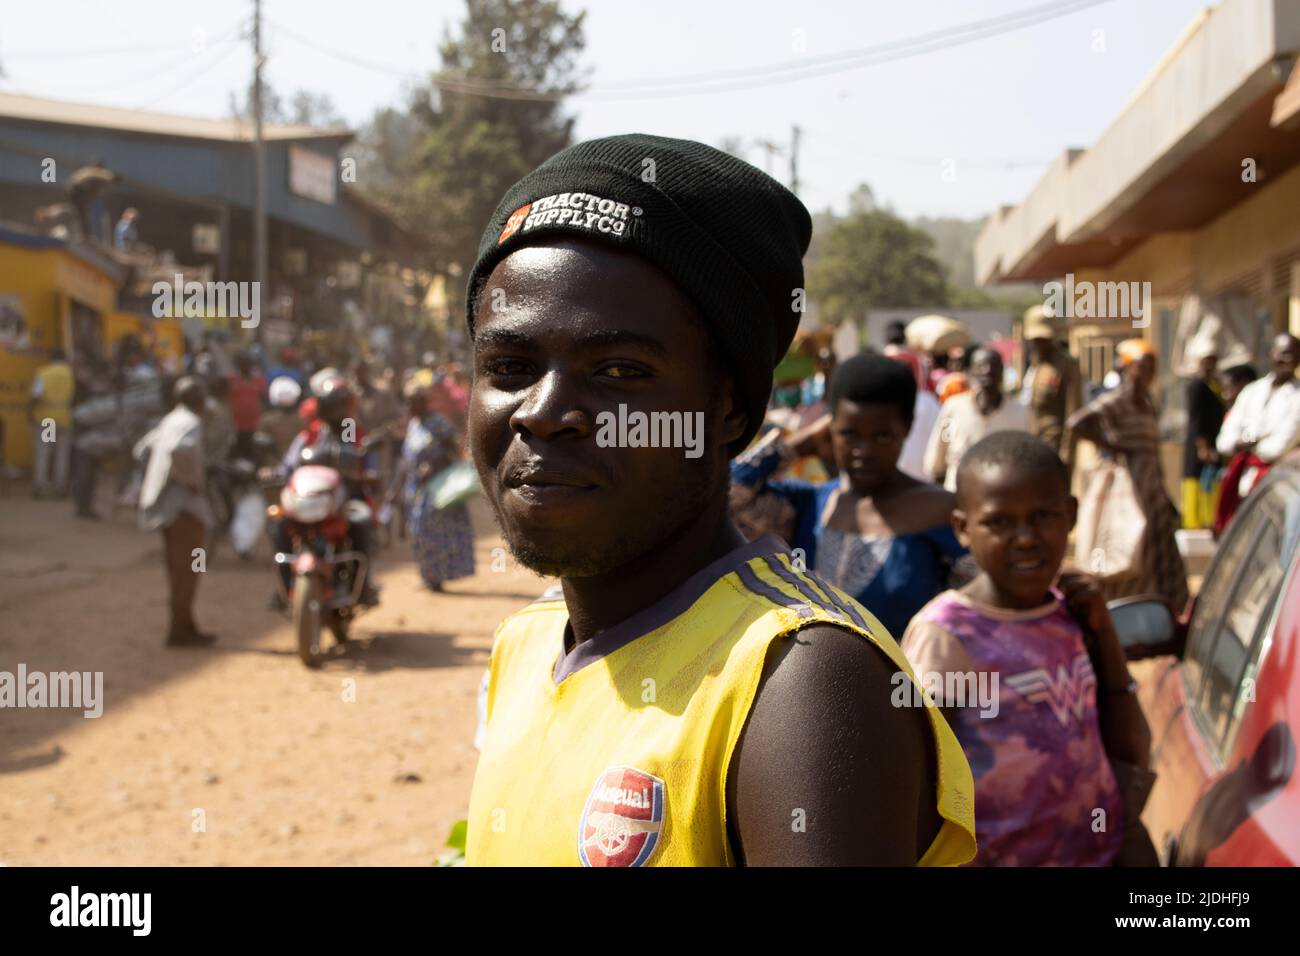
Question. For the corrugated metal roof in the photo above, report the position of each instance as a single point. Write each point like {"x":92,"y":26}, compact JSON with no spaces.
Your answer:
{"x":63,"y":113}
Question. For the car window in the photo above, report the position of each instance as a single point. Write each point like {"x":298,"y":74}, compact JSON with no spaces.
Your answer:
{"x":1218,"y":585}
{"x":1229,"y":635}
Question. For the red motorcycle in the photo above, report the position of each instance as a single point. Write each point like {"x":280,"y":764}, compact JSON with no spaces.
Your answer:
{"x":327,"y":571}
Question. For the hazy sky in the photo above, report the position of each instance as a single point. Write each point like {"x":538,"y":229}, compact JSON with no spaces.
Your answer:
{"x":992,"y":112}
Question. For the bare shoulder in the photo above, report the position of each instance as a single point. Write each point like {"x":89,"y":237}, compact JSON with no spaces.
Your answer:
{"x":826,"y":752}
{"x":828,"y":665}
{"x":930,"y":505}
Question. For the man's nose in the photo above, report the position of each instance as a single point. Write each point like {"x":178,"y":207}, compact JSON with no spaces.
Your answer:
{"x":552,"y":409}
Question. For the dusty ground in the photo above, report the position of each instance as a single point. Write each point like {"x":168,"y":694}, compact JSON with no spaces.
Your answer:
{"x":283,"y":769}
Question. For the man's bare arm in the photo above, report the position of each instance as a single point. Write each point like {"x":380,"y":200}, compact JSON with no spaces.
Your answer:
{"x":827,"y":771}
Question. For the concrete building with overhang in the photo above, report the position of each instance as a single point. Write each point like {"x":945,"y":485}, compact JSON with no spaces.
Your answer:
{"x":1190,"y":195}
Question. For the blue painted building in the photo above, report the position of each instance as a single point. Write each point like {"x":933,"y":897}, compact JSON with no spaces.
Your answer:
{"x":192,"y":182}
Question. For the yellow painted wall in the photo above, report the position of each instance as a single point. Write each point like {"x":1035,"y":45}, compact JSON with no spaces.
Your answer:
{"x":43,"y":281}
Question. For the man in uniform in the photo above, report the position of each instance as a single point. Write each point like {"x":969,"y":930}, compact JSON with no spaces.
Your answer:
{"x":1053,"y":386}
{"x":683,"y":697}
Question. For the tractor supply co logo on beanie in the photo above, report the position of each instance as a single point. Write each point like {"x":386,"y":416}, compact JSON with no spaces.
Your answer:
{"x":623,"y":818}
{"x":584,"y":211}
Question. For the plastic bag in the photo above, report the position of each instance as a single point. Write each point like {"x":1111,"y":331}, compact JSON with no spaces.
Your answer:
{"x":454,"y":485}
{"x":1112,"y":526}
{"x":246,"y":525}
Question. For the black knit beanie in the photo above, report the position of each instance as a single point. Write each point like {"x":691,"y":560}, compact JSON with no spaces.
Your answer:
{"x":730,"y":236}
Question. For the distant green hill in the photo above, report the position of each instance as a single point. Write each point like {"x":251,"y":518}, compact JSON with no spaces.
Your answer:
{"x":954,"y":246}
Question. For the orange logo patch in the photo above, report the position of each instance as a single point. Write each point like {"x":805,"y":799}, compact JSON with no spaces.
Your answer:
{"x":514,"y":222}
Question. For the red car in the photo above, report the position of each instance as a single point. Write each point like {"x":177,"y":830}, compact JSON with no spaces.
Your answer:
{"x":1224,"y":709}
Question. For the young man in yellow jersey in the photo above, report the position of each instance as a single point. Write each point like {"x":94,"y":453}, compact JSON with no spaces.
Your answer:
{"x":688,"y":698}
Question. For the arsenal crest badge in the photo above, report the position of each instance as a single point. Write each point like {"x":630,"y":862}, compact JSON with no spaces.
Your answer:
{"x":623,"y":818}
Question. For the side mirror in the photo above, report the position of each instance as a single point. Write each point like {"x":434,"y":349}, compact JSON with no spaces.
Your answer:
{"x":1145,"y":626}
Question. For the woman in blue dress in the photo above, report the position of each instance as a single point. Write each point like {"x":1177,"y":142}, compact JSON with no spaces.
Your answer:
{"x":443,"y":538}
{"x":875,"y":532}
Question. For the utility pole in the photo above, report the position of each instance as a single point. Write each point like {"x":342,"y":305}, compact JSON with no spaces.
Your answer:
{"x":259,"y":165}
{"x":794,"y":160}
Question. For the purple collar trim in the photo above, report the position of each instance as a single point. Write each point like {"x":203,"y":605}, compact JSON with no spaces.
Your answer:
{"x":673,"y":604}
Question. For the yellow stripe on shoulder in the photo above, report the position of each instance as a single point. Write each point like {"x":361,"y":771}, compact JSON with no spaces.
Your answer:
{"x":817,"y":601}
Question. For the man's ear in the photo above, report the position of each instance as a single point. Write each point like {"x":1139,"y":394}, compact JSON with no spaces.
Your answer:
{"x":733,"y":414}
{"x":1072,"y":510}
{"x":959,"y":527}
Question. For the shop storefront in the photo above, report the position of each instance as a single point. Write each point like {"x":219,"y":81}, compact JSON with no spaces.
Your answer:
{"x":52,"y":295}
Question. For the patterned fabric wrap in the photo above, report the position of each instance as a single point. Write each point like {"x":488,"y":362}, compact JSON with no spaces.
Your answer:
{"x":443,"y":538}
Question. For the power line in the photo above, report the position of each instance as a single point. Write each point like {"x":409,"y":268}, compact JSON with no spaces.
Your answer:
{"x":743,"y":77}
{"x":179,"y":59}
{"x":878,"y":53}
{"x":870,"y":56}
{"x":225,"y":53}
{"x":87,"y":52}
{"x":499,"y":89}
{"x":866,"y":154}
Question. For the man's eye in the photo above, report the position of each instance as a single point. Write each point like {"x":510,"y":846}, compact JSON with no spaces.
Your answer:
{"x":623,"y":371}
{"x":505,"y":367}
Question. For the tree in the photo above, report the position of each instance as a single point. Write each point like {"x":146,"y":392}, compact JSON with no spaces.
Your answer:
{"x":872,"y":259}
{"x":445,"y":163}
{"x":304,"y":108}
{"x":313,"y":109}
{"x":862,"y":199}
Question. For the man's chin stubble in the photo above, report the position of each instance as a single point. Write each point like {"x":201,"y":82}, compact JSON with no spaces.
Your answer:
{"x":593,"y":559}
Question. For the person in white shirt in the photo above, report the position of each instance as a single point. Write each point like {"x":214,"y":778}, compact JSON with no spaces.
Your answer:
{"x":911,"y":460}
{"x":173,"y":500}
{"x":1265,"y":418}
{"x":967,"y":417}
{"x":1262,"y":425}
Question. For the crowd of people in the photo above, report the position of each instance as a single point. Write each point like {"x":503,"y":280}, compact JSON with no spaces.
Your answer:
{"x":925,"y":487}
{"x":168,"y":431}
{"x":965,"y":557}
{"x":728,"y":629}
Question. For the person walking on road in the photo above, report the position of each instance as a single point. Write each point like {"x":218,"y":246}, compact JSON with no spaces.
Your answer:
{"x":246,"y":389}
{"x":173,"y":501}
{"x":1124,"y":423}
{"x":1262,"y":425}
{"x":443,"y":538}
{"x":1204,"y":419}
{"x":50,"y":412}
{"x":1053,"y":386}
{"x":968,"y":416}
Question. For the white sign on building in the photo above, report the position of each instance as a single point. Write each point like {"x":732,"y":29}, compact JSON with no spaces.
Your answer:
{"x":312,"y":175}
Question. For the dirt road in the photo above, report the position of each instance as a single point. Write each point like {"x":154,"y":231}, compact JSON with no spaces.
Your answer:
{"x":239,"y":754}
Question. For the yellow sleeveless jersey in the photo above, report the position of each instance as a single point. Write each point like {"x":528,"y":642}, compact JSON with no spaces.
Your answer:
{"x":617,"y":752}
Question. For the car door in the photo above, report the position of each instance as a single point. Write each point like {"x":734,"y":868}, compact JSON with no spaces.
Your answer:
{"x":1196,"y":706}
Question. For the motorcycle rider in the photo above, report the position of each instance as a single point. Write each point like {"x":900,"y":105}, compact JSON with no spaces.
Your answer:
{"x":334,"y":424}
